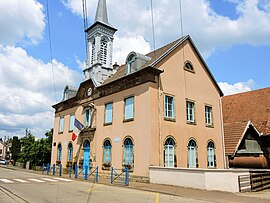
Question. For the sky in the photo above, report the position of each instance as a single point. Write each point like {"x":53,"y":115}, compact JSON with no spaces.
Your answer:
{"x":233,"y":37}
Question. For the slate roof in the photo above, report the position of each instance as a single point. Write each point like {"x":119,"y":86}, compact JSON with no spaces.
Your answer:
{"x":252,"y":105}
{"x":158,"y":55}
{"x":153,"y":55}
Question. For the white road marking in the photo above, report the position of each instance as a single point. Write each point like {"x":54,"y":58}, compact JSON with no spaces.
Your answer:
{"x":63,"y":179}
{"x":36,"y":180}
{"x":6,"y":181}
{"x":21,"y":181}
{"x":50,"y":180}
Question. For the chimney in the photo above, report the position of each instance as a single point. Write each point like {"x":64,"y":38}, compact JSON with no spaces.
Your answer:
{"x":115,"y":66}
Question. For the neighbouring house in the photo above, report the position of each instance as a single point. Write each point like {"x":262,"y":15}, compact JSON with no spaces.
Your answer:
{"x":159,"y":109}
{"x":246,"y":119}
{"x":3,"y":149}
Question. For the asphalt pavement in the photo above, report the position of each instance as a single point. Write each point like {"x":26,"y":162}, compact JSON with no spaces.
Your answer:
{"x":103,"y":191}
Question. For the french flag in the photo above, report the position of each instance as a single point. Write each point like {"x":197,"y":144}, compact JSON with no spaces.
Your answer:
{"x":77,"y":129}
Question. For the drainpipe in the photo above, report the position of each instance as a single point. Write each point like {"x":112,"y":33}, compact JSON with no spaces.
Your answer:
{"x":222,"y":133}
{"x":159,"y":123}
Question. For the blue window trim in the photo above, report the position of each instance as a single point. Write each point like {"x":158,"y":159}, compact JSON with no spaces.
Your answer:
{"x":108,"y":113}
{"x":128,"y":152}
{"x":129,"y":108}
{"x":107,"y":152}
{"x":70,"y":152}
{"x":59,"y":152}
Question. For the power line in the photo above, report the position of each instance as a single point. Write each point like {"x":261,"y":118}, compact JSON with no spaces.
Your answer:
{"x":153,"y":28}
{"x":50,"y":44}
{"x":181,"y":18}
{"x":183,"y":48}
{"x":85,"y":25}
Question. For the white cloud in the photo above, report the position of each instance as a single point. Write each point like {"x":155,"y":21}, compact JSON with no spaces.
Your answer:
{"x":124,"y":45}
{"x":26,"y":93}
{"x":21,"y":21}
{"x":237,"y":87}
{"x":209,"y":29}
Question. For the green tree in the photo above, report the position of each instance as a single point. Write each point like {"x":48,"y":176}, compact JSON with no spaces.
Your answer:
{"x":26,"y":145}
{"x":36,"y":152}
{"x":15,"y":148}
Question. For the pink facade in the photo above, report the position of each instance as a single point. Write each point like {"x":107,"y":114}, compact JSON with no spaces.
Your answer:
{"x":165,"y":113}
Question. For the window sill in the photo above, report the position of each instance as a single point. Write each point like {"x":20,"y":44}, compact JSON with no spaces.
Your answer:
{"x":191,"y":71}
{"x":209,"y":126}
{"x":128,"y":120}
{"x":106,"y":124}
{"x":169,"y":119}
{"x":70,"y":131}
{"x":191,"y":123}
{"x":60,"y":132}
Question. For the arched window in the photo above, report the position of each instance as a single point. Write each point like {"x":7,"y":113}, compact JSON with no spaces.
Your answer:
{"x":107,"y":153}
{"x":86,"y":144}
{"x":211,"y":157}
{"x":130,"y":61}
{"x":59,"y":152}
{"x":169,"y":155}
{"x":103,"y":51}
{"x":192,"y":154}
{"x":128,"y":153}
{"x":189,"y":67}
{"x":70,"y":152}
{"x":93,"y":51}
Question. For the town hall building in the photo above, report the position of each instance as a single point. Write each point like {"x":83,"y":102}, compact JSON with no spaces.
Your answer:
{"x":159,"y":109}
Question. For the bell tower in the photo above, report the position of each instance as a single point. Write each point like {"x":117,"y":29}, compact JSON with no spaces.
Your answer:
{"x":100,"y":46}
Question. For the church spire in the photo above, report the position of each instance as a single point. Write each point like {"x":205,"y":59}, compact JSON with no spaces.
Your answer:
{"x":101,"y":13}
{"x":99,"y":46}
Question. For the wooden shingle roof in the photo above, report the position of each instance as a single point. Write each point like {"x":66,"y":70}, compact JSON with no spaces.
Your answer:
{"x":253,"y":106}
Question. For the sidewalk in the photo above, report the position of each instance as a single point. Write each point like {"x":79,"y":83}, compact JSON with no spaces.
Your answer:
{"x":210,"y":196}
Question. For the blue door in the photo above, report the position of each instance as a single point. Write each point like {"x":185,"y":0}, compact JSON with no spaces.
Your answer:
{"x":86,"y":155}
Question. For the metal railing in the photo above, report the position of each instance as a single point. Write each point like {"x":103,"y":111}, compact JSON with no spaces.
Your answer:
{"x":120,"y":174}
{"x":86,"y":172}
{"x":52,"y":168}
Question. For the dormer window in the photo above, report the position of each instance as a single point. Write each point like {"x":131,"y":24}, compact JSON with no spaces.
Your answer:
{"x":130,"y":61}
{"x":189,"y":67}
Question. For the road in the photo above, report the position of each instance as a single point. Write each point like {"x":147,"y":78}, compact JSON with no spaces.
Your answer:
{"x":20,"y":186}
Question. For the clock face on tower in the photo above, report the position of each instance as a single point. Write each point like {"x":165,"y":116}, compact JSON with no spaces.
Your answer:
{"x":89,"y":91}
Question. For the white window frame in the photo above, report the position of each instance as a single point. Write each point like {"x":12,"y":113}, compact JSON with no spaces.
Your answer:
{"x":190,"y":111}
{"x":211,"y":155}
{"x":169,"y":107}
{"x":169,"y":154}
{"x":208,"y":115}
{"x":192,"y":155}
{"x":71,"y":122}
{"x":61,"y":124}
